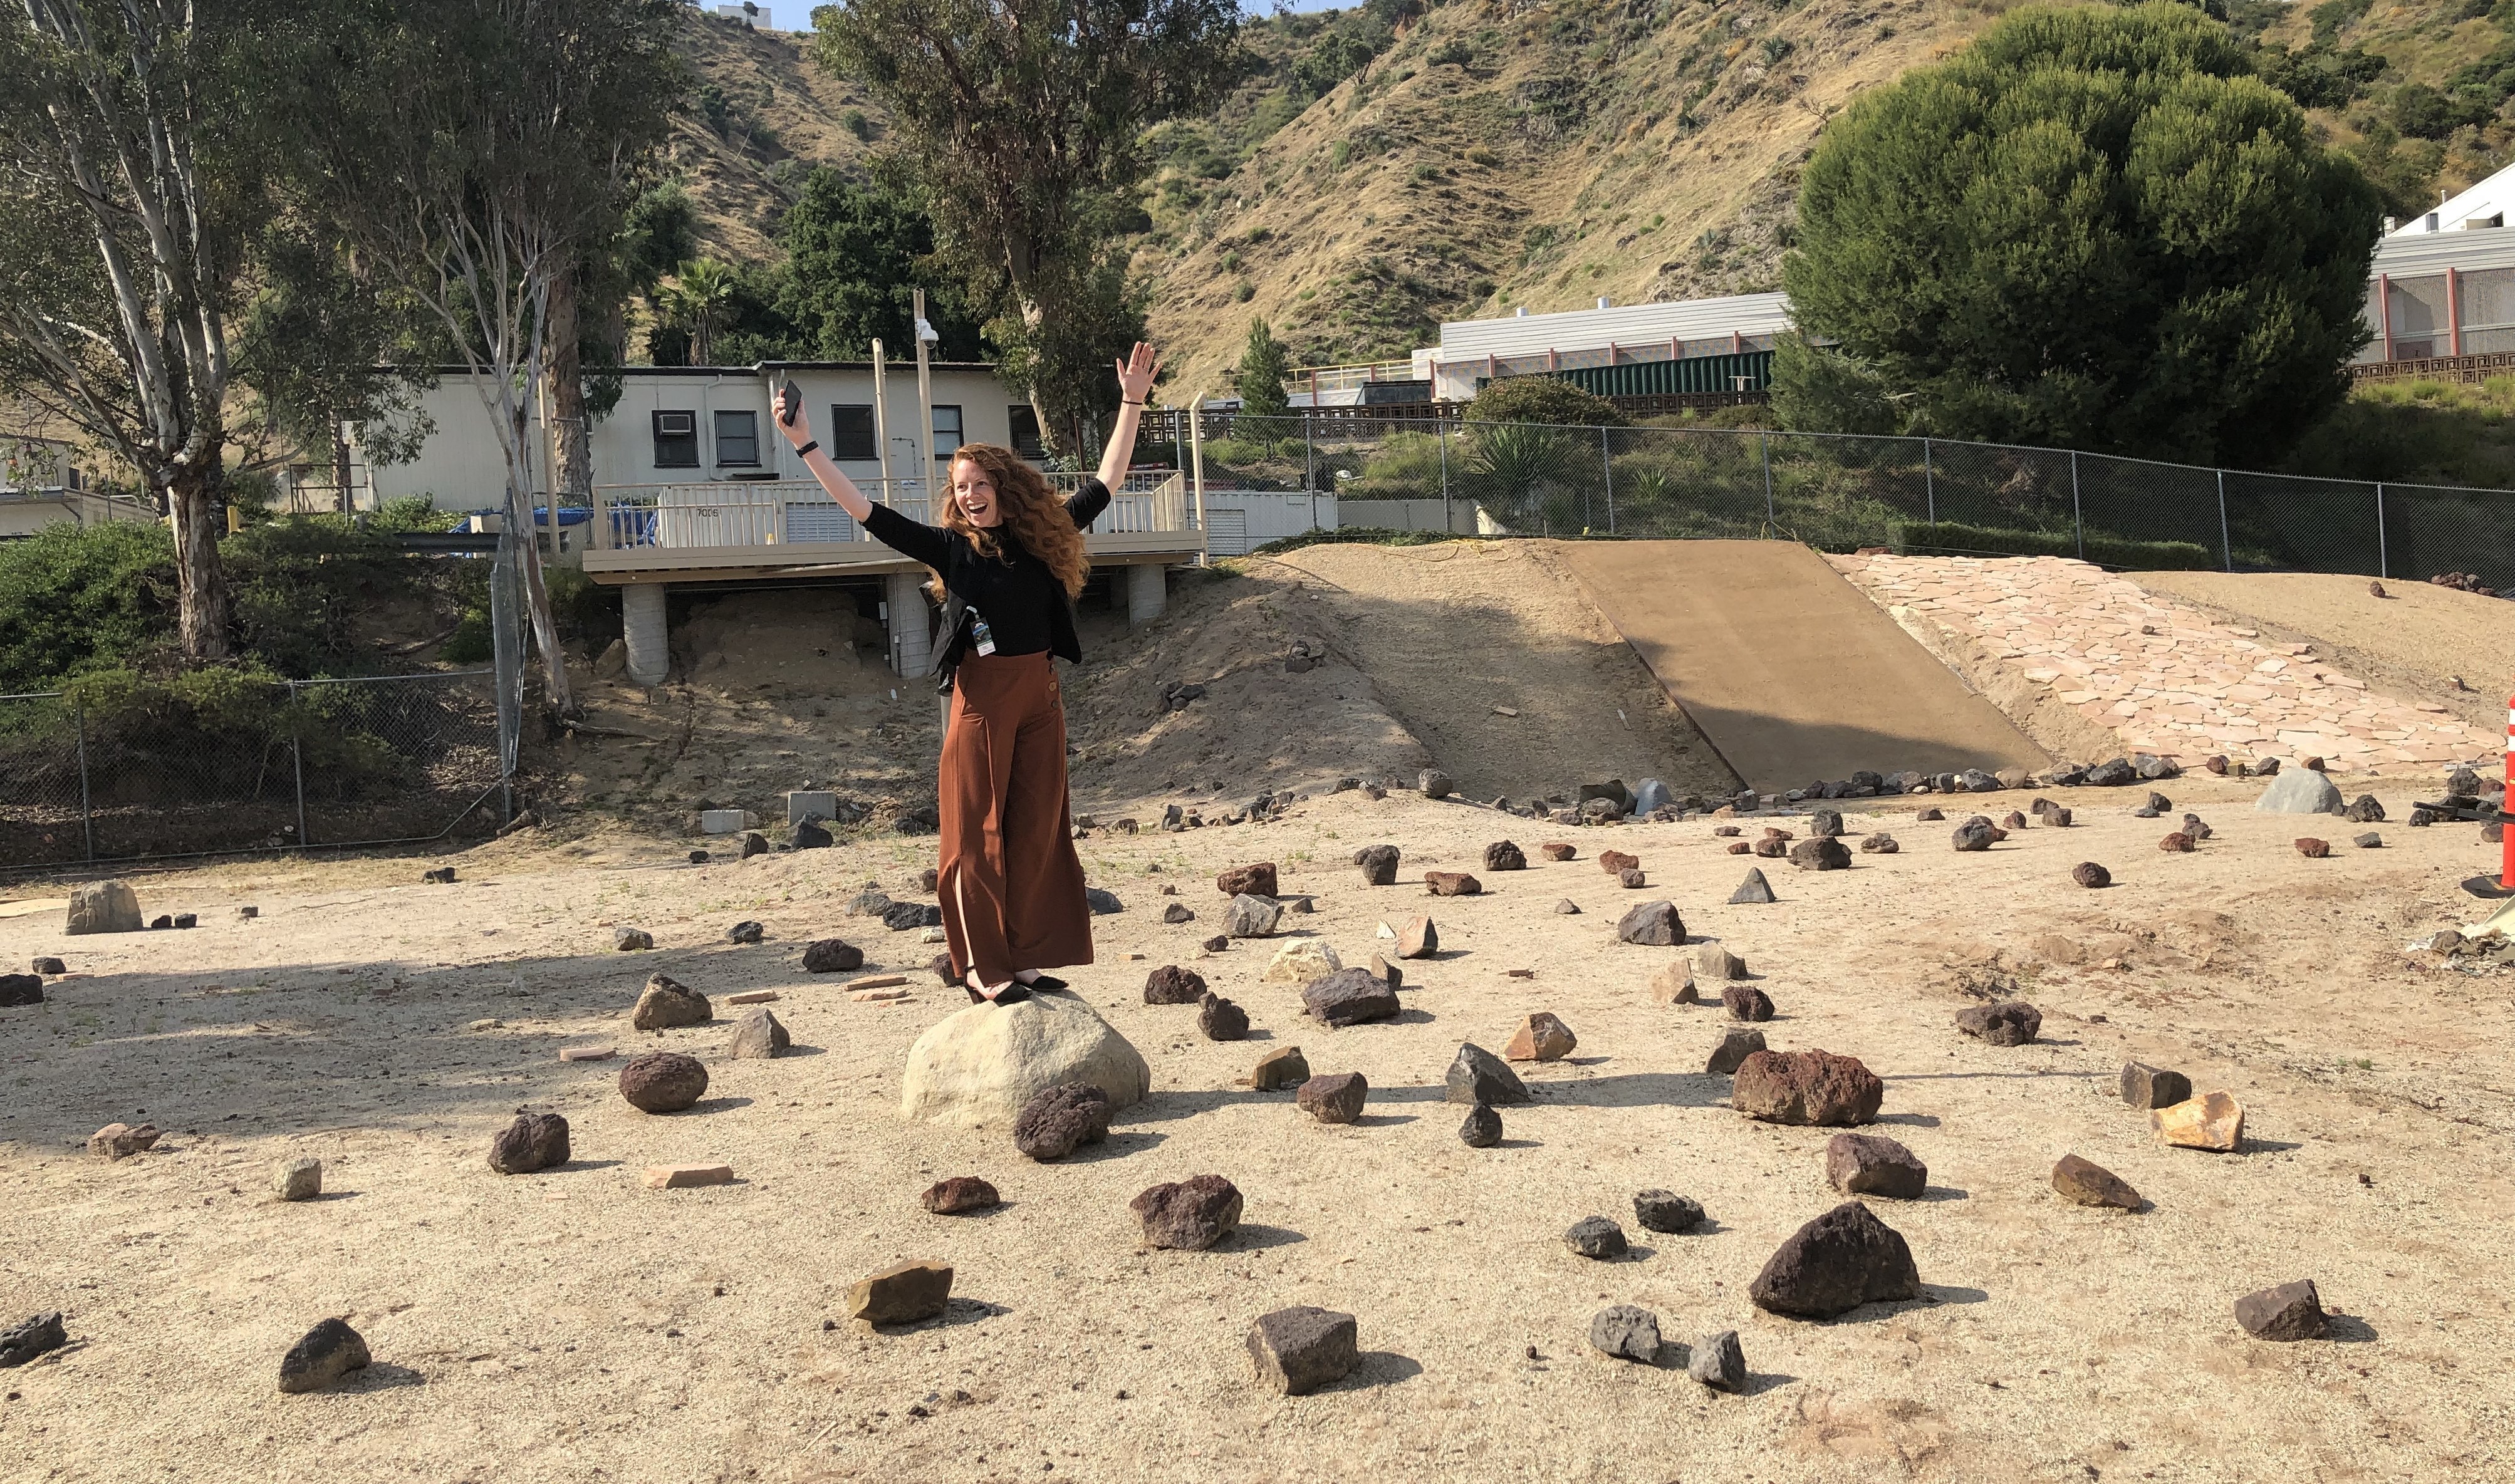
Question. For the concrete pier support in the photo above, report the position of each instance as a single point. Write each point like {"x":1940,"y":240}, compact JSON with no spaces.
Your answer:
{"x":1148,"y":591}
{"x":912,"y":649}
{"x":641,"y":622}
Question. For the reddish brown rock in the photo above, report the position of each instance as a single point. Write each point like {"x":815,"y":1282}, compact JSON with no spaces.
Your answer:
{"x":1614,"y":862}
{"x":2091,"y":1184}
{"x":2289,"y":1311}
{"x":1815,"y":1088}
{"x":1541,"y":1036}
{"x":1452,"y":883}
{"x":1739,"y":847}
{"x":663,"y":1082}
{"x":1872,"y":1164}
{"x":1503,"y":855}
{"x":1058,"y":1120}
{"x":2007,"y":1022}
{"x":1771,"y":848}
{"x":116,"y":1141}
{"x":1555,"y":849}
{"x":959,"y":1193}
{"x":1836,"y":1263}
{"x":1170,"y":984}
{"x":1745,"y":1002}
{"x":901,"y":1294}
{"x":534,"y":1141}
{"x":1336,"y":1097}
{"x":1190,"y":1215}
{"x":1417,"y":939}
{"x":1252,"y":880}
{"x":2312,"y":849}
{"x":2087,"y":873}
{"x":2177,"y":843}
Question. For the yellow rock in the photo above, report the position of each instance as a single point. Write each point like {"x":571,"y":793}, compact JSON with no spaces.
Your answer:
{"x":1301,"y":961}
{"x":1674,"y":984}
{"x":2212,"y":1121}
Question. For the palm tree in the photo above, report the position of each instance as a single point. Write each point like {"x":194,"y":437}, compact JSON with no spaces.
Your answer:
{"x":696,"y":302}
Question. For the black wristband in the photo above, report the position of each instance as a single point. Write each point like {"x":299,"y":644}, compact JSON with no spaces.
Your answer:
{"x":807,"y":447}
{"x":1123,"y":403}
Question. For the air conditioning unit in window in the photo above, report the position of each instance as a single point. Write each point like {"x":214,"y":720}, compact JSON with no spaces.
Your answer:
{"x":677,"y":425}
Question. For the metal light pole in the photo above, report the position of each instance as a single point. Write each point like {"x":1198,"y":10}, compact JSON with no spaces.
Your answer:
{"x":881,"y":422}
{"x":926,"y":338}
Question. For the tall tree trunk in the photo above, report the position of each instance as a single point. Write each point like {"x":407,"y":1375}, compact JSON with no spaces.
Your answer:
{"x":519,"y":519}
{"x":200,"y":582}
{"x":571,"y":446}
{"x":340,"y":468}
{"x":1023,"y":272}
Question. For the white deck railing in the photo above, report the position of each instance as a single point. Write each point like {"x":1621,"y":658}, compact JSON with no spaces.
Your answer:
{"x":768,"y":513}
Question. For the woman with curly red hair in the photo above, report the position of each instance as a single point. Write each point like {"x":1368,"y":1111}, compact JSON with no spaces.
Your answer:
{"x":1007,"y":561}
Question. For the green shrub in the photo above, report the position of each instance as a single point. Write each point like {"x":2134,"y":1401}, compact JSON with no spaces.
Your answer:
{"x":1360,"y":535}
{"x":1542,"y":399}
{"x":74,"y":598}
{"x":1919,"y":538}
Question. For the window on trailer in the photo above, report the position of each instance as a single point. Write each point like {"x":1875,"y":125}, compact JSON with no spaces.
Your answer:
{"x":737,"y":440}
{"x":947,"y":428}
{"x":1024,"y":423}
{"x":677,"y":439}
{"x":851,"y":432}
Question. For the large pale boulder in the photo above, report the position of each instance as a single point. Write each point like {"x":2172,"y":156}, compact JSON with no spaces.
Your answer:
{"x":2301,"y":792}
{"x":980,"y":1065}
{"x":105,"y":906}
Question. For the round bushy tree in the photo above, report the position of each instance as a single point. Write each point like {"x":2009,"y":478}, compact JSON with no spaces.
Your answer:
{"x":1548,"y":400}
{"x":2094,"y":228}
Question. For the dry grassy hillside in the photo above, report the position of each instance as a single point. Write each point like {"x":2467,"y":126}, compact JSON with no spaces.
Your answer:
{"x":760,"y":117}
{"x":1502,"y":154}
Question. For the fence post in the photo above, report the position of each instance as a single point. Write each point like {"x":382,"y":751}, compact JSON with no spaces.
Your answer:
{"x":1765,"y":442}
{"x":1929,"y":484}
{"x":1448,"y":520}
{"x":87,"y":810}
{"x":2077,"y":524}
{"x":2384,"y":551}
{"x":1607,"y":464}
{"x":1310,"y":465}
{"x":2226,"y":543}
{"x":297,"y":755}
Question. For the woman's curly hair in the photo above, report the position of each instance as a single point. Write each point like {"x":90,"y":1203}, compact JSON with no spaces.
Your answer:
{"x":1033,"y":511}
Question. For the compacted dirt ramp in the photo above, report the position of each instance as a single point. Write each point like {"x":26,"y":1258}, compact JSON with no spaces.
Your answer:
{"x":1788,"y":669}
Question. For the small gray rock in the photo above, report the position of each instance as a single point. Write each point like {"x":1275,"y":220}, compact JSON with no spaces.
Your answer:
{"x":2370,"y":840}
{"x":296,"y":1180}
{"x":1653,"y":925}
{"x":1482,"y":1128}
{"x":1102,"y":903}
{"x":632,"y":939}
{"x":1596,"y":1237}
{"x":1478,"y":1076}
{"x":1754,"y":891}
{"x":2302,"y":792}
{"x":757,"y":1036}
{"x":1434,"y":783}
{"x":1733,"y":1051}
{"x":1252,"y":917}
{"x":1717,"y":1362}
{"x":40,"y":1335}
{"x":1626,"y":1332}
{"x":1298,"y":1350}
{"x":745,"y":932}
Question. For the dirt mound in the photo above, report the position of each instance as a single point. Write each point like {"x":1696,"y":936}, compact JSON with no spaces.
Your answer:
{"x":808,"y":641}
{"x":1257,"y":726}
{"x":1491,"y":654}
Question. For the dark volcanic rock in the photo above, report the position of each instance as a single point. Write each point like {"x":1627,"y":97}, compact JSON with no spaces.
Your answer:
{"x":2010,"y":1022}
{"x":1298,"y":1350}
{"x":663,"y":1082}
{"x":1336,"y":1097}
{"x":1817,"y":1088}
{"x":329,"y":1352}
{"x":1596,"y":1237}
{"x":1746,"y":1001}
{"x":2113,"y":773}
{"x":1718,"y":1361}
{"x":48,"y":965}
{"x":1481,"y":1129}
{"x":2289,"y":1311}
{"x":745,"y":932}
{"x":2365,"y":811}
{"x":1170,"y":984}
{"x":1502,"y":855}
{"x":1872,"y":1164}
{"x":810,"y":835}
{"x":1879,"y":844}
{"x":1101,"y":903}
{"x":1733,"y":1051}
{"x":1349,"y":997}
{"x":1666,"y":1210}
{"x":2153,"y":1087}
{"x":1626,"y":1332}
{"x":1653,"y":923}
{"x":1058,"y":1120}
{"x":1970,"y":836}
{"x":901,"y":917}
{"x":1477,"y":1075}
{"x":1190,"y":1215}
{"x":533,"y":1141}
{"x":1836,"y":1263}
{"x":1220,"y":1020}
{"x":959,"y":1193}
{"x":1754,"y":891}
{"x":24,"y":1340}
{"x":831,"y":956}
{"x":1379,"y":864}
{"x":2087,"y":873}
{"x":1825,"y":824}
{"x":17,"y":989}
{"x":1824,"y":854}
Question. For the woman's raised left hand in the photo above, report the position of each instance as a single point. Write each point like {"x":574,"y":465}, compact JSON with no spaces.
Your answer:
{"x":1136,"y":372}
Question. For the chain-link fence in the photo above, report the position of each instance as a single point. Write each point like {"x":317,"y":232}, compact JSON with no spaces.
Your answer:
{"x":1842,"y":493}
{"x":135,"y":771}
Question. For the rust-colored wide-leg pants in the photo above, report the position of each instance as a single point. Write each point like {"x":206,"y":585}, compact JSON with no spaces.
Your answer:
{"x":1010,"y":886}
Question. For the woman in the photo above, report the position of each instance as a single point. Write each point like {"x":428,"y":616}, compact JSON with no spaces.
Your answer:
{"x":1007,"y":561}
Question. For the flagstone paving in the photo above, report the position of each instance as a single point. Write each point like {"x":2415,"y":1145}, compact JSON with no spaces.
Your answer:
{"x":2164,"y":677}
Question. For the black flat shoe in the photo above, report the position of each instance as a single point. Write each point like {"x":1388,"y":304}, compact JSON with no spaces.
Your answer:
{"x":1012,"y":993}
{"x":1047,"y":981}
{"x":975,"y":998}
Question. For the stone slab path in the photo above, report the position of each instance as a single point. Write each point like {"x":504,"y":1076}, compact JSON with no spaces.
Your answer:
{"x":2164,"y":677}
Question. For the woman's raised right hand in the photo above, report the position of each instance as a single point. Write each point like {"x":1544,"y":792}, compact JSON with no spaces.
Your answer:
{"x":799,"y":432}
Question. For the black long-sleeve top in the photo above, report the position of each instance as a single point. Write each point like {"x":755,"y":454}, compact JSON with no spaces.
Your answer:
{"x":1027,"y":609}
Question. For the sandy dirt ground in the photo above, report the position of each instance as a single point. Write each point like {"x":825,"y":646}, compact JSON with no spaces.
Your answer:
{"x":2414,"y":640}
{"x":574,"y":1326}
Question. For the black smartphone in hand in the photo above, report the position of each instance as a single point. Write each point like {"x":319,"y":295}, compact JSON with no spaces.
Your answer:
{"x":794,"y":395}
